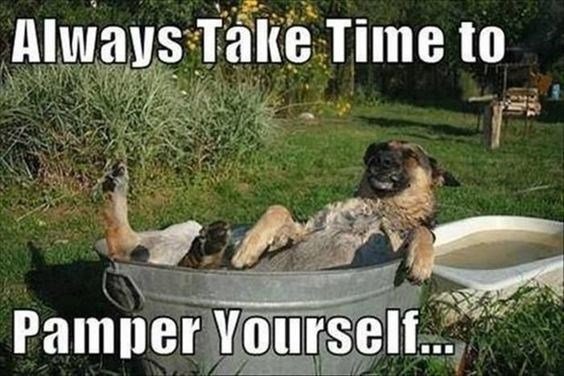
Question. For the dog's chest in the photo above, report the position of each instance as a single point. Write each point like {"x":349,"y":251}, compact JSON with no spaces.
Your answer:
{"x":345,"y":233}
{"x":351,"y":215}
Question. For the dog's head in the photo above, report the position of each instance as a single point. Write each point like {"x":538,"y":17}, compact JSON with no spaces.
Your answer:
{"x":393,"y":167}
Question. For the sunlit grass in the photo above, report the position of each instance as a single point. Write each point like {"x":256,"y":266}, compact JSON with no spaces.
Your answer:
{"x":304,"y":167}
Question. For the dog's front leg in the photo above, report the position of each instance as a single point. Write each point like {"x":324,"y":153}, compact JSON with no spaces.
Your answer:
{"x":274,"y":230}
{"x":420,"y":255}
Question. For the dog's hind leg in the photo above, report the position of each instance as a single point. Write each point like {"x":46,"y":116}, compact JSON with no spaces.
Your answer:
{"x":120,"y":237}
{"x":276,"y":229}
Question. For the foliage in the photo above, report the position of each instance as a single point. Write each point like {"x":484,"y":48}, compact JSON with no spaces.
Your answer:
{"x":411,"y":365}
{"x":100,"y":13}
{"x":501,"y":343}
{"x":469,"y":87}
{"x":65,"y":365}
{"x":70,"y":121}
{"x":514,"y":17}
{"x":519,"y":334}
{"x":292,"y":84}
{"x":518,"y":18}
{"x":557,"y":73}
{"x":533,"y":23}
{"x":227,"y":120}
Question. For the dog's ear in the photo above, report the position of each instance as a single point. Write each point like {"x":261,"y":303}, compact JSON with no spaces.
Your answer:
{"x":368,"y":153}
{"x":442,"y":177}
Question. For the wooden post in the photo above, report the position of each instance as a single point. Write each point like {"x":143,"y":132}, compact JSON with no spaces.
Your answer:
{"x":493,"y":116}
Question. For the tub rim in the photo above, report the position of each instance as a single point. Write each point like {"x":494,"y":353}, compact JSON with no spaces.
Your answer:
{"x":278,"y":274}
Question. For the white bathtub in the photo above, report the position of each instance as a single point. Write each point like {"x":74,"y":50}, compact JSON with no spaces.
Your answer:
{"x":501,"y":279}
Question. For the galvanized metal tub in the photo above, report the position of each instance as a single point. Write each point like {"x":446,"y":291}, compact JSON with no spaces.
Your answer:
{"x":151,"y":291}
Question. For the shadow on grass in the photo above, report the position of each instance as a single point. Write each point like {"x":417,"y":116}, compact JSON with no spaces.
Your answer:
{"x":70,"y":290}
{"x":444,"y":129}
{"x":431,"y":101}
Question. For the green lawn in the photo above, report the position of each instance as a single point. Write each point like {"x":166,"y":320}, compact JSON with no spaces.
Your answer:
{"x":46,"y":260}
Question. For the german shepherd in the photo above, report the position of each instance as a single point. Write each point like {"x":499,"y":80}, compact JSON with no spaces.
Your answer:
{"x":394,"y":208}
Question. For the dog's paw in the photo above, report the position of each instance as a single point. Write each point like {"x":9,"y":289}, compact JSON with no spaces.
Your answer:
{"x":419,"y":267}
{"x":116,"y":179}
{"x":243,"y":259}
{"x":250,"y":250}
{"x":217,"y":236}
{"x":246,"y":256}
{"x":208,"y":248}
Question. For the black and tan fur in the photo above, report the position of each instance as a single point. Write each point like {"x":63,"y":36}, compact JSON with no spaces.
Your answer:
{"x":208,"y":249}
{"x":395,"y":201}
{"x":394,"y":207}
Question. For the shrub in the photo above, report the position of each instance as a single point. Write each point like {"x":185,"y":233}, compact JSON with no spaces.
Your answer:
{"x":70,"y":121}
{"x":468,"y":85}
{"x":100,"y":13}
{"x":519,"y":334}
{"x":227,"y":120}
{"x":298,"y":87}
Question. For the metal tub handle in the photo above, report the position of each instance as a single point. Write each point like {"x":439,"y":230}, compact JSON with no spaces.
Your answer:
{"x":129,"y":297}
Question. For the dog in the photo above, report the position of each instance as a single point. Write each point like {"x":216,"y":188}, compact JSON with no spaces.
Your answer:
{"x":394,"y":208}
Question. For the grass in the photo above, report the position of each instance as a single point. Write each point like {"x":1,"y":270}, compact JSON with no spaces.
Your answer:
{"x":519,"y":334}
{"x":46,"y":260}
{"x":68,"y":122}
